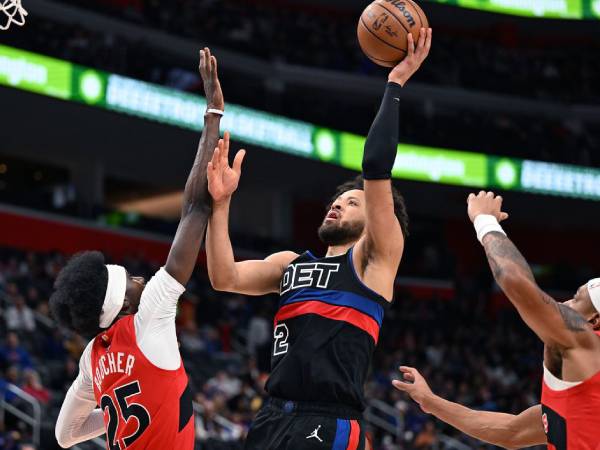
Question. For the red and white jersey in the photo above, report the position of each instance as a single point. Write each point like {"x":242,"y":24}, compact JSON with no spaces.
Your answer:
{"x":144,"y":406}
{"x":571,"y":413}
{"x":132,"y":386}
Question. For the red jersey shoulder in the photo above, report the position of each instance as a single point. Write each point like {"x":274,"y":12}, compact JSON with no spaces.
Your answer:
{"x":144,"y":406}
{"x":570,"y":416}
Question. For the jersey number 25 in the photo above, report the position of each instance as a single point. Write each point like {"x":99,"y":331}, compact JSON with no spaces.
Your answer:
{"x":128,"y":411}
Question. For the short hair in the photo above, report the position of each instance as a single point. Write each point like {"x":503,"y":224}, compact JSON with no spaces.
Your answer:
{"x":359,"y":183}
{"x":79,"y":292}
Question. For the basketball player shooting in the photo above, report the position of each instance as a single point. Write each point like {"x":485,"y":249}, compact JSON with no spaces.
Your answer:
{"x":567,"y":417}
{"x":331,"y":307}
{"x":132,"y":369}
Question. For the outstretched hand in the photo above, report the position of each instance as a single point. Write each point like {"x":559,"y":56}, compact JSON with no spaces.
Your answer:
{"x":414,"y":58}
{"x":210,"y":79}
{"x":223,"y":179}
{"x":414,"y":385}
{"x":485,"y":203}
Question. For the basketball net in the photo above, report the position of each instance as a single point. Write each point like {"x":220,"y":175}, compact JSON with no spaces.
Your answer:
{"x":11,"y":12}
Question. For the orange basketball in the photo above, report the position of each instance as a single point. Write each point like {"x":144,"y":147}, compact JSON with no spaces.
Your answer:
{"x":383,"y":28}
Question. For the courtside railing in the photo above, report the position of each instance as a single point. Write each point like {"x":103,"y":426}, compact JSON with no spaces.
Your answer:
{"x":33,"y":419}
{"x":386,"y":417}
{"x":389,"y":419}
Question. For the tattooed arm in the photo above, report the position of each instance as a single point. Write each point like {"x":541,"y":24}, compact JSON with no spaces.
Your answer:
{"x":555,"y":324}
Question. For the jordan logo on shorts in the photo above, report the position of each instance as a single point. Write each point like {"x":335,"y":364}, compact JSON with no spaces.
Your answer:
{"x":315,"y":434}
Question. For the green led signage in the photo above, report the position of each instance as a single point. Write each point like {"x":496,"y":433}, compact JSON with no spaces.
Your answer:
{"x":35,"y":73}
{"x":551,"y":9}
{"x":61,"y":79}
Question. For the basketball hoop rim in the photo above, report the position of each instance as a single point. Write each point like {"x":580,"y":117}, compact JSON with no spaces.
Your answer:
{"x":14,"y":12}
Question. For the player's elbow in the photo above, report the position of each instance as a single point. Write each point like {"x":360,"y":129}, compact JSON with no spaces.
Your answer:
{"x":503,"y":439}
{"x":61,"y":438}
{"x":220,"y":286}
{"x":63,"y":444}
{"x":221,"y":283}
{"x":509,"y":443}
{"x":223,"y":277}
{"x":512,"y":443}
{"x":514,"y":436}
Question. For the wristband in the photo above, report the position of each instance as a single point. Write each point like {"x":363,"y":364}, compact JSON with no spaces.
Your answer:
{"x":484,"y":224}
{"x":215,"y":111}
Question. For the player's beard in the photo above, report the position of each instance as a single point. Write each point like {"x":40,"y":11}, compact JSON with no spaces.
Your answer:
{"x":332,"y":234}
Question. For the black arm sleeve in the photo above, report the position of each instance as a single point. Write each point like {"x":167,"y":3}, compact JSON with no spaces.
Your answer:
{"x":382,"y":141}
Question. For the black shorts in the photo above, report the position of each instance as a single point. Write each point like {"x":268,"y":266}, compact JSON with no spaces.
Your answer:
{"x":288,"y":425}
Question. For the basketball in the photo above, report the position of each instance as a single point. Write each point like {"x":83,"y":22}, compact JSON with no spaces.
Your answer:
{"x":383,"y":27}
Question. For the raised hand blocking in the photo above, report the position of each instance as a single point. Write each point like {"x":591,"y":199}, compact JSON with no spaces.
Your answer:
{"x":210,"y":78}
{"x":223,"y":179}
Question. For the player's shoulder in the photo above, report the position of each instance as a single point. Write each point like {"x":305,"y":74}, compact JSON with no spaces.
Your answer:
{"x":283,"y":258}
{"x":89,"y":347}
{"x":162,"y":279}
{"x":85,"y":361}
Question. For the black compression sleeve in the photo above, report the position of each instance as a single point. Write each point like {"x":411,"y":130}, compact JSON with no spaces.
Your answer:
{"x":382,"y":141}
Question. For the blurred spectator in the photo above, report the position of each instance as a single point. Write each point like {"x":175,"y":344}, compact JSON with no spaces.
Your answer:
{"x":12,"y":353}
{"x":33,"y":386}
{"x":427,"y":438}
{"x":223,"y":384}
{"x":190,"y":340}
{"x":62,"y":378}
{"x":186,"y":311}
{"x":259,"y":332}
{"x":33,"y":297}
{"x":28,"y":447}
{"x":10,"y":440}
{"x":212,"y":340}
{"x":12,"y":378}
{"x":259,"y":339}
{"x":19,"y":317}
{"x":5,"y":393}
{"x":54,"y":346}
{"x":75,"y":345}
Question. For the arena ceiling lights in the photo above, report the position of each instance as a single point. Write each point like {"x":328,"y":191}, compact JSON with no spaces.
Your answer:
{"x":549,"y":9}
{"x":61,"y":79}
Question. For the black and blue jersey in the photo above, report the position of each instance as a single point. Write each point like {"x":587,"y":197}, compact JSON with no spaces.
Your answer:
{"x":326,"y":330}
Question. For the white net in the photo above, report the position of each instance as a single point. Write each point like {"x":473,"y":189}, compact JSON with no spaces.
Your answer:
{"x":11,"y":11}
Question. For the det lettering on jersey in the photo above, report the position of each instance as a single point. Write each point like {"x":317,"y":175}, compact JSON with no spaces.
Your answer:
{"x":303,"y":275}
{"x":110,"y":363}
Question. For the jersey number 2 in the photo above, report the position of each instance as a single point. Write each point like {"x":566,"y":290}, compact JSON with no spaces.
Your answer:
{"x":280,"y":335}
{"x":128,"y":410}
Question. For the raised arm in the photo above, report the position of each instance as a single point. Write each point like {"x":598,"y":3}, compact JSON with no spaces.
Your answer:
{"x":555,"y":324}
{"x":196,"y":200}
{"x":383,"y":243}
{"x":505,"y":430}
{"x":247,"y":277}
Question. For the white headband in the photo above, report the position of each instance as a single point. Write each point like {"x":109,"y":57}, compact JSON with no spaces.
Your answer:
{"x":594,"y":290}
{"x":115,"y":294}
